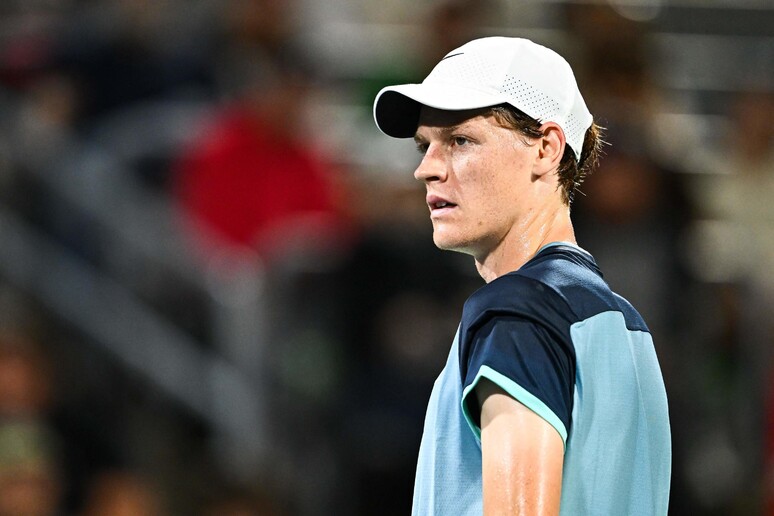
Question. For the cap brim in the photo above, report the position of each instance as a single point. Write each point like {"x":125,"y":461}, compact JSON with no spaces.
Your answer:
{"x":397,"y":108}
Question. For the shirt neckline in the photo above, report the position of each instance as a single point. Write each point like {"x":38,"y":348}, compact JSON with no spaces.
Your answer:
{"x":562,"y":243}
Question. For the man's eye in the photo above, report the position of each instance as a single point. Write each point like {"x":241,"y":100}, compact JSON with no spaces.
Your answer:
{"x":422,"y":148}
{"x":460,"y":140}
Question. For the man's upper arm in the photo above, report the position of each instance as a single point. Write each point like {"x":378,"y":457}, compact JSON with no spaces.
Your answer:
{"x":517,"y":364}
{"x":522,"y":456}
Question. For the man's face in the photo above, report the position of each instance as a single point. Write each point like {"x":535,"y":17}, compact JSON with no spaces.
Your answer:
{"x":479,"y":180}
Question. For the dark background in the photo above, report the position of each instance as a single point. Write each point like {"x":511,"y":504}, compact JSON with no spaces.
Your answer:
{"x":218,"y":290}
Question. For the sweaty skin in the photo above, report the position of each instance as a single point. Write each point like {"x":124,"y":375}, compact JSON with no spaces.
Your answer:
{"x":505,"y":196}
{"x":522,"y":457}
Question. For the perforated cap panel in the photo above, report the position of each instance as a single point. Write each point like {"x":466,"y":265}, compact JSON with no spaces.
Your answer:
{"x":486,"y":72}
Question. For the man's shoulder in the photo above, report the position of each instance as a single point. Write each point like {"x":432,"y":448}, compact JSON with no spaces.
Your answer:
{"x":561,"y":281}
{"x":574,"y":275}
{"x":559,"y":265}
{"x":512,"y":291}
{"x":515,"y":295}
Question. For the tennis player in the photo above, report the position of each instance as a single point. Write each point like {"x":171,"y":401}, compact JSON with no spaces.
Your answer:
{"x":552,"y":399}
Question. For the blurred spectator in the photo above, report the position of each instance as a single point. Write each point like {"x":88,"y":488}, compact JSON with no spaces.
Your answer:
{"x":122,"y":493}
{"x":30,"y":397}
{"x":32,"y":472}
{"x":25,"y":381}
{"x":253,"y":178}
{"x":248,"y":183}
{"x":30,"y":482}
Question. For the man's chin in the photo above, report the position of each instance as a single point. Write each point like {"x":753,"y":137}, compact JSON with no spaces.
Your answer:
{"x":442,"y":241}
{"x":447,"y":243}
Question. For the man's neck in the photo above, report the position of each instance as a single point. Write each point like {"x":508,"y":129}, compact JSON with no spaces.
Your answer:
{"x":523,"y":242}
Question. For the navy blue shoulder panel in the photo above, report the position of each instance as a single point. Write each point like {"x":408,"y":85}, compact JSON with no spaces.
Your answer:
{"x":560,"y":282}
{"x":574,"y":275}
{"x":519,"y":324}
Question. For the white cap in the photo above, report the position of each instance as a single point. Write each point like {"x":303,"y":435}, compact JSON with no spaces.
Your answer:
{"x":488,"y":72}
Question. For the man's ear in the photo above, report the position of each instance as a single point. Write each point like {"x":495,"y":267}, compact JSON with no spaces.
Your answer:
{"x":551,"y":148}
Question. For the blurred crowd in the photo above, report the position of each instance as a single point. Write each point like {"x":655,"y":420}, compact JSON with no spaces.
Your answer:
{"x":229,"y":132}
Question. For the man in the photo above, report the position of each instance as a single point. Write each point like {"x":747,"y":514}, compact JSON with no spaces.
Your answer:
{"x":552,"y":400}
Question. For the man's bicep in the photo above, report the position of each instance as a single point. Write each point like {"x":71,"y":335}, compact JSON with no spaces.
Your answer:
{"x":522,"y":456}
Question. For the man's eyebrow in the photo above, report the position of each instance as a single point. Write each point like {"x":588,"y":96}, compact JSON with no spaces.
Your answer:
{"x":444,"y":132}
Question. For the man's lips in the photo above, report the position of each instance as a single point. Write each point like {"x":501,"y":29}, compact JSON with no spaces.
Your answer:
{"x":437,"y":203}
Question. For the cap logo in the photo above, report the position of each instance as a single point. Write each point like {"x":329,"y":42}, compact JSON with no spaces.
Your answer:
{"x":452,"y":55}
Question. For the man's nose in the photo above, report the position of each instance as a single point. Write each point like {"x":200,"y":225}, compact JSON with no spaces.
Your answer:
{"x":431,"y":168}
